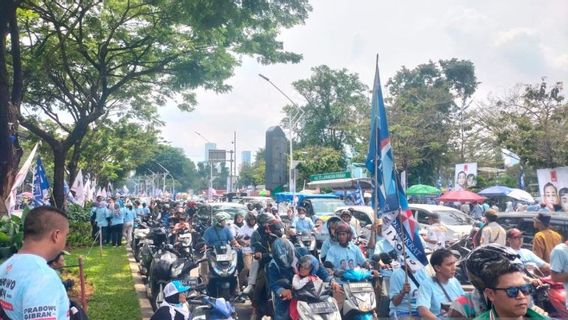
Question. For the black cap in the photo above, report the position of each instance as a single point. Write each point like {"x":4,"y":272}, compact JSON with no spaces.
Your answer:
{"x":543,"y":218}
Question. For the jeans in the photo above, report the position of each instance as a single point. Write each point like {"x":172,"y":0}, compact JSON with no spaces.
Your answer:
{"x":281,"y":308}
{"x":253,"y":272}
{"x":116,"y":234}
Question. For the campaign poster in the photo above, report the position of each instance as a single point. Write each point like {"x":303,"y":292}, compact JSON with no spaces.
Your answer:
{"x":553,"y":188}
{"x":465,"y":176}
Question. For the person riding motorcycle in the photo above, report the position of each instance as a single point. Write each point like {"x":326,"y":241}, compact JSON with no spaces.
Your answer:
{"x":215,"y":235}
{"x":303,"y":224}
{"x":281,"y":267}
{"x":332,"y":239}
{"x":173,"y":307}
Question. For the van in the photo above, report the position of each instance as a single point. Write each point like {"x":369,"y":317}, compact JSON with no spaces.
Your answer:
{"x":524,"y":222}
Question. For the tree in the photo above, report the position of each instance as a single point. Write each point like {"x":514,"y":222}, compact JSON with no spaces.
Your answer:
{"x":11,"y":90}
{"x":316,"y":159}
{"x":532,"y":122}
{"x":253,"y":174}
{"x":86,"y":59}
{"x":423,"y":103}
{"x":336,"y":104}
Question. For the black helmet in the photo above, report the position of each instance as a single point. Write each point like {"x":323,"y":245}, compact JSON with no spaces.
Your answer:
{"x":486,"y":263}
{"x":331,"y":221}
{"x":262,"y":219}
{"x":249,"y":217}
{"x":344,"y":227}
{"x":274,"y":228}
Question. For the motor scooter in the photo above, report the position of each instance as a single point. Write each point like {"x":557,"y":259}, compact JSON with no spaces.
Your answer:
{"x":222,"y":261}
{"x":312,"y":302}
{"x":360,"y":300}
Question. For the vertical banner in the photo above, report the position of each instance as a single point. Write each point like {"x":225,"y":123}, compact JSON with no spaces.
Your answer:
{"x":40,"y":185}
{"x":553,"y":188}
{"x":465,"y":176}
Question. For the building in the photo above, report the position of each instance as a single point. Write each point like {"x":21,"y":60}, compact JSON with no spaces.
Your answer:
{"x":246,"y":158}
{"x":209,"y":146}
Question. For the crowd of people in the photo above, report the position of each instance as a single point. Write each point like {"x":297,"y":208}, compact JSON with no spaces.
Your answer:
{"x":496,"y":267}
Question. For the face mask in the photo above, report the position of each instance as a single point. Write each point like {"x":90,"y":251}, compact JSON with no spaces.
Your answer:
{"x":302,"y":216}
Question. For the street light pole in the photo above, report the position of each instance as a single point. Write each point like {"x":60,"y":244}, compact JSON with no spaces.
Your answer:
{"x":291,"y":123}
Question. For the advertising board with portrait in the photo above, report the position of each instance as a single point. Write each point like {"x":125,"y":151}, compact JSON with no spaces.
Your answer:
{"x":465,"y":176}
{"x":553,"y":187}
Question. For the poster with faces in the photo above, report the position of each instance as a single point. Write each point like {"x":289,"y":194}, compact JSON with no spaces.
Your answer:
{"x":465,"y":176}
{"x":553,"y":188}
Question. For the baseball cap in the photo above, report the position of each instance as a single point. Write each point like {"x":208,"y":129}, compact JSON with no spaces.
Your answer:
{"x":175,"y":287}
{"x":543,"y":218}
{"x":514,"y":233}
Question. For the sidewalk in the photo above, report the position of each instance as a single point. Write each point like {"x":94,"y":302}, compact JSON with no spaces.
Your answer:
{"x":139,"y":287}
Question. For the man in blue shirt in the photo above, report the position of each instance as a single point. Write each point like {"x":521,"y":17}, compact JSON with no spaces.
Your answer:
{"x":219,"y":233}
{"x":440,"y":289}
{"x":515,"y":240}
{"x":29,"y":288}
{"x":301,"y":223}
{"x":102,"y":218}
{"x":401,"y":292}
{"x":559,"y":265}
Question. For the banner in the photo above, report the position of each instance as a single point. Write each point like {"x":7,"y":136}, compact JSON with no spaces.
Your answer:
{"x":40,"y":185}
{"x":465,"y":176}
{"x":553,"y":188}
{"x":399,"y":226}
{"x":20,"y":177}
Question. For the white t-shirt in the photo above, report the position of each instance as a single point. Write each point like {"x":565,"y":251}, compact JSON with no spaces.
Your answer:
{"x":245,"y":231}
{"x":30,"y":289}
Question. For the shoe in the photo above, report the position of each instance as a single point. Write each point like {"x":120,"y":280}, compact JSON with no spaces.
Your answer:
{"x":248,"y":289}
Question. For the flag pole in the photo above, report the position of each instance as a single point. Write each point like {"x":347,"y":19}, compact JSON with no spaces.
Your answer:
{"x":402,"y":238}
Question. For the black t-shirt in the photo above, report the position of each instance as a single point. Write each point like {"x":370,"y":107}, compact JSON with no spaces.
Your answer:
{"x":163,"y":313}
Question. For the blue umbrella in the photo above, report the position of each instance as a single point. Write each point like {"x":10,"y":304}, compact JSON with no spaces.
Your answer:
{"x":495,"y":191}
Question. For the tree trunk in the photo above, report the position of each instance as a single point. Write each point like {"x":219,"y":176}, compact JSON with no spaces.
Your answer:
{"x":59,"y":153}
{"x":74,"y":161}
{"x":10,"y":151}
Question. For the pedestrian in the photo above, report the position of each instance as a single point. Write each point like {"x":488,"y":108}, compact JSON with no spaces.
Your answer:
{"x":545,"y":239}
{"x":102,"y":218}
{"x":438,"y":292}
{"x":117,"y":220}
{"x":477,"y":211}
{"x":128,"y":225}
{"x":559,"y":265}
{"x":436,"y":235}
{"x":402,"y":292}
{"x":492,"y":232}
{"x":30,"y":289}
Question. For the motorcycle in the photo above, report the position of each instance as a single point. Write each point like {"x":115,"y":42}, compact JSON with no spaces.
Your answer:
{"x":360,"y":300}
{"x":307,"y":240}
{"x":141,"y":231}
{"x":208,"y":308}
{"x":312,"y":303}
{"x":222,"y":272}
{"x":156,"y":238}
{"x":169,"y":265}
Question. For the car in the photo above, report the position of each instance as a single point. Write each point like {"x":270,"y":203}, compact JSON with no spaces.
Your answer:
{"x":524,"y":222}
{"x":458,"y":223}
{"x":321,"y":208}
{"x":264,"y":201}
{"x":229,"y":207}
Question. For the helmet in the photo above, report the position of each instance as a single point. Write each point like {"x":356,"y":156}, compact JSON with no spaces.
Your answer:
{"x":249,"y":217}
{"x":309,"y":262}
{"x":274,"y":228}
{"x":332,"y":221}
{"x":345,"y":212}
{"x":344,"y":227}
{"x":486,"y":263}
{"x":283,"y":253}
{"x":221,"y":216}
{"x":263,"y":218}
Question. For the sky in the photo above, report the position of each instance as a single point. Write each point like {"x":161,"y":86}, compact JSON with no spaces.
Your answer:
{"x":509,"y":42}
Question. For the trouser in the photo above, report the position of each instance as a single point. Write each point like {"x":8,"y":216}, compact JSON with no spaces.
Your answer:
{"x":204,"y":271}
{"x":253,"y":272}
{"x":116,"y":234}
{"x":247,"y":261}
{"x":127,"y":232}
{"x":94,"y":229}
{"x":105,"y":234}
{"x":281,"y":308}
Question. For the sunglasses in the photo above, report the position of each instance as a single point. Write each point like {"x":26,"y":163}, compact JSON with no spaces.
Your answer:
{"x":513,"y":292}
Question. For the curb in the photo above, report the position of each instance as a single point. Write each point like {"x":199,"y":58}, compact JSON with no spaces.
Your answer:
{"x":139,"y":287}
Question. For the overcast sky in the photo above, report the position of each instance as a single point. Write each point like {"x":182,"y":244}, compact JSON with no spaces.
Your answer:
{"x":509,"y":42}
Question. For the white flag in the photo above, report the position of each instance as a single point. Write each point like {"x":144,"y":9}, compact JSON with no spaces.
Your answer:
{"x":79,"y":189}
{"x":20,"y":177}
{"x":104,"y":193}
{"x":88,"y":190}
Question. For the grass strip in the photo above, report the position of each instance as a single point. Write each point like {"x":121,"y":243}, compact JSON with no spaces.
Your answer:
{"x":114,"y":296}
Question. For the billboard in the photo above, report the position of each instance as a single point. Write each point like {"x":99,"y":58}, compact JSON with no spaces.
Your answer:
{"x":465,"y":176}
{"x":553,"y":188}
{"x":216,"y":155}
{"x":276,"y":158}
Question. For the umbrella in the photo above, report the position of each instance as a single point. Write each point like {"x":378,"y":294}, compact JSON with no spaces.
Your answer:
{"x":422,"y":190}
{"x":462,"y":195}
{"x":521,"y":195}
{"x":495,"y":191}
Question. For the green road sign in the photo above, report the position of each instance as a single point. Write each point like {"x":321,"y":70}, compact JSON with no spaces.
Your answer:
{"x":330,"y":176}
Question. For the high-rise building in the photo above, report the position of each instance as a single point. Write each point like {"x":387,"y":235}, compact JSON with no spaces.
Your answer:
{"x":209,"y":146}
{"x":246,"y":157}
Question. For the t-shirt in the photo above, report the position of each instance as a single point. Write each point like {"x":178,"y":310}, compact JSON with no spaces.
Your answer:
{"x":128,"y":214}
{"x":559,"y":262}
{"x":544,"y":241}
{"x":326,"y":245}
{"x":214,"y":236}
{"x":303,"y":225}
{"x":117,"y":217}
{"x":437,"y":232}
{"x":397,"y":280}
{"x":528,"y":256}
{"x":345,"y":258}
{"x":101,"y":215}
{"x":431,"y":295}
{"x":30,"y":289}
{"x":493,"y":233}
{"x":247,"y":231}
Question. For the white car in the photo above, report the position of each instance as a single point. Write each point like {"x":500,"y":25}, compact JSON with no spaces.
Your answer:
{"x":458,"y":223}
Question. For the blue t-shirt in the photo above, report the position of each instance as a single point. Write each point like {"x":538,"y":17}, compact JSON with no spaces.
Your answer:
{"x":303,"y":225}
{"x":214,"y":236}
{"x":431,"y":296}
{"x":30,"y":289}
{"x":101,"y":215}
{"x":528,"y":256}
{"x":345,"y":258}
{"x":397,"y":280}
{"x":326,"y":245}
{"x":559,"y":262}
{"x":128,"y":214}
{"x":139,"y":212}
{"x":117,"y":217}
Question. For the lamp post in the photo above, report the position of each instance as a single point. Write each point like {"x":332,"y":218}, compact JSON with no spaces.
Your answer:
{"x":292,"y":121}
{"x":165,"y":175}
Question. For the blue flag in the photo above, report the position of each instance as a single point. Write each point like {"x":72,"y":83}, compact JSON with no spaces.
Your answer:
{"x":358,"y":199}
{"x":387,"y":189}
{"x":40,"y":184}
